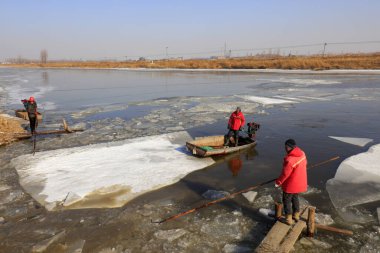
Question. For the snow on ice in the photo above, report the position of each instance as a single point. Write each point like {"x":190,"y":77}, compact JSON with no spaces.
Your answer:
{"x":357,"y":181}
{"x":108,"y":174}
{"x":361,"y":142}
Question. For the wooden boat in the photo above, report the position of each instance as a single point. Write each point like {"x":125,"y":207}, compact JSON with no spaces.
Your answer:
{"x":22,"y":113}
{"x":213,"y":145}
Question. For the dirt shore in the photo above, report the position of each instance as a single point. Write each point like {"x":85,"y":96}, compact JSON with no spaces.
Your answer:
{"x":9,"y":127}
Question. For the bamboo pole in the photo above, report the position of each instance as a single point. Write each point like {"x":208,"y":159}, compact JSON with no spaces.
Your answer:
{"x":232,"y":195}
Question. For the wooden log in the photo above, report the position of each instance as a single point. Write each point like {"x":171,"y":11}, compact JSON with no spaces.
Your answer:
{"x":333,"y":229}
{"x":278,"y":208}
{"x":272,"y":240}
{"x":330,"y":228}
{"x":291,"y":238}
{"x":278,"y":240}
{"x":26,"y":136}
{"x":66,"y":127}
{"x":311,"y":222}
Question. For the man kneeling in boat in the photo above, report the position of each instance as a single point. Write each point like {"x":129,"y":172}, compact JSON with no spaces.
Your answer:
{"x":235,"y":124}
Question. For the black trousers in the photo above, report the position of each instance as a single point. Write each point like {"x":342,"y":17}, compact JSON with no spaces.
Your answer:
{"x":291,"y":203}
{"x":235,"y":133}
{"x":32,"y":122}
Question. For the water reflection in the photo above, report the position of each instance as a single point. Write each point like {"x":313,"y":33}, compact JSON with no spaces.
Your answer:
{"x":45,"y":77}
{"x":235,"y":164}
{"x":251,"y":154}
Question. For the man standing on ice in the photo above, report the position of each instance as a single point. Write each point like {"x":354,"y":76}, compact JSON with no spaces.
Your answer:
{"x":293,"y":180}
{"x":31,"y":108}
{"x":235,"y":124}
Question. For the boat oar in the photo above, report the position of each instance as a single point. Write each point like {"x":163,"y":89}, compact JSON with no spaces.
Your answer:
{"x":233,"y":195}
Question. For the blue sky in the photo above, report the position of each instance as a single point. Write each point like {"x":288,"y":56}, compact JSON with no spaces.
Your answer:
{"x":94,"y":29}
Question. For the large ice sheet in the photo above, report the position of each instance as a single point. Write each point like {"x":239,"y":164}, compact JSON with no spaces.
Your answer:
{"x":357,"y":180}
{"x":106,"y":175}
{"x":354,"y":141}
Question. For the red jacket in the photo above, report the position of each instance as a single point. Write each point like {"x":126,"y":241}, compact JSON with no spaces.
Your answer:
{"x":236,"y":121}
{"x":293,"y":178}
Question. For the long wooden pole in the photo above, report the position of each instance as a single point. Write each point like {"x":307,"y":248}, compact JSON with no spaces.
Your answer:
{"x":333,"y":229}
{"x":232,"y":195}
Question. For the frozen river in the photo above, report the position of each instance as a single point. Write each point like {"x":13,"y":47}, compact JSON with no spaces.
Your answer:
{"x":328,"y":115}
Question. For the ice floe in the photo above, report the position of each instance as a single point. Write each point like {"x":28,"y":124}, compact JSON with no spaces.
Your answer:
{"x":250,"y":196}
{"x":213,"y":194}
{"x":267,"y":100}
{"x":361,"y":142}
{"x":108,"y":174}
{"x":296,"y":99}
{"x":95,"y":110}
{"x":357,"y":180}
{"x":233,"y":248}
{"x":267,"y":213}
{"x":304,"y":82}
{"x":224,"y":107}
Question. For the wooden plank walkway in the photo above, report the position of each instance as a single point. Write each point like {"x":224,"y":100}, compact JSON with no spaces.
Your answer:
{"x":282,"y":237}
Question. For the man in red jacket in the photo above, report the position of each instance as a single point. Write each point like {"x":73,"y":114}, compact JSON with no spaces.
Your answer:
{"x":235,"y":124}
{"x":293,"y":180}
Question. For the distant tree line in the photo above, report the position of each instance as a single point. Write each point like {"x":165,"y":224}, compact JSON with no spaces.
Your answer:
{"x":22,"y":60}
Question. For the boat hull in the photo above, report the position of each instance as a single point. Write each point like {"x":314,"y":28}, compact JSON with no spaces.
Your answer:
{"x":24,"y":115}
{"x":213,"y":146}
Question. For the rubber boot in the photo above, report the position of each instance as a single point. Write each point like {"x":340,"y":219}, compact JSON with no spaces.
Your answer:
{"x":296,"y":216}
{"x":288,"y":220}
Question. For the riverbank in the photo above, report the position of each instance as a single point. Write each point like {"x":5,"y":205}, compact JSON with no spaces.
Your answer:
{"x":9,"y":127}
{"x":329,"y":62}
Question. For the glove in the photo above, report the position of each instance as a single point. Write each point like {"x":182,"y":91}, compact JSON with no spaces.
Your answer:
{"x":276,"y":185}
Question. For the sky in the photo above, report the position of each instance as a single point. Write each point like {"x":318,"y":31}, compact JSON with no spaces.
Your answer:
{"x":122,"y":29}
